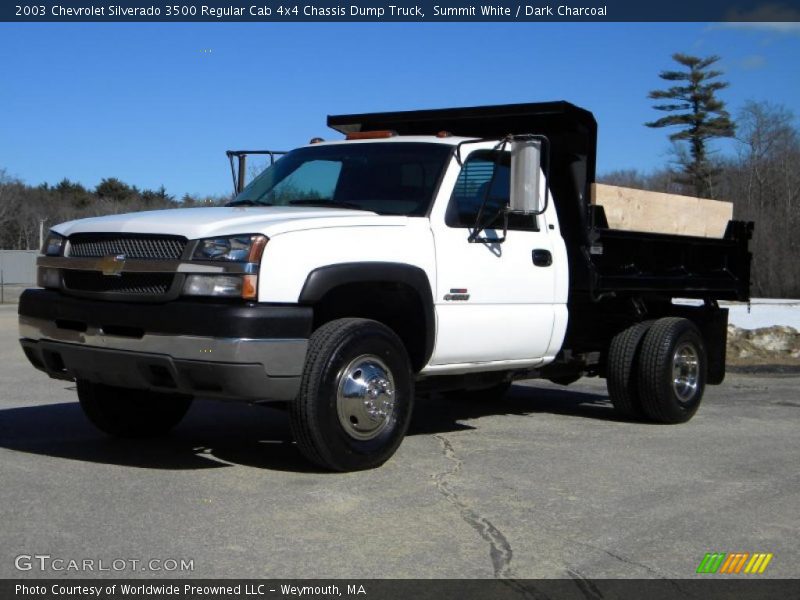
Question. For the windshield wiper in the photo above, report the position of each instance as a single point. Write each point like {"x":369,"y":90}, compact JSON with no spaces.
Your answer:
{"x":324,"y":203}
{"x":248,"y":202}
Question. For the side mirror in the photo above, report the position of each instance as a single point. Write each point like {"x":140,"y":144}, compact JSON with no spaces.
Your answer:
{"x":526,"y":162}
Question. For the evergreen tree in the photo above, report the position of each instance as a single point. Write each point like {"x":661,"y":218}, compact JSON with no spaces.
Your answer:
{"x":114,"y":189}
{"x":698,"y":112}
{"x":73,"y":192}
{"x":159,"y":196}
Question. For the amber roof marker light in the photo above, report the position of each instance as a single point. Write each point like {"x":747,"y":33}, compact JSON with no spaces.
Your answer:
{"x":371,"y":135}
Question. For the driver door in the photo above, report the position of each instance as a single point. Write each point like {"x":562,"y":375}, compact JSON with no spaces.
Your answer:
{"x":493,"y":303}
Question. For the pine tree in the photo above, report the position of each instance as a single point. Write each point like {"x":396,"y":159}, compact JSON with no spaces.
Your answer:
{"x":114,"y":189}
{"x":699,"y":113}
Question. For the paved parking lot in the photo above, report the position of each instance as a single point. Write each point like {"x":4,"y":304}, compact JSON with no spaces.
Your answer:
{"x":544,"y":484}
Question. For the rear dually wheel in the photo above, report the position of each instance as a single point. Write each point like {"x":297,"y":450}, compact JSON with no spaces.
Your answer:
{"x":672,"y":370}
{"x":622,"y":370}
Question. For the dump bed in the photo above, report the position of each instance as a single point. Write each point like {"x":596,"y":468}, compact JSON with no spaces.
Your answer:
{"x":636,"y":263}
{"x":603,"y":261}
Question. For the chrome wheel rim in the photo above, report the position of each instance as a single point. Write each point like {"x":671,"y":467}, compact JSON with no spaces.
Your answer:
{"x":365,"y":397}
{"x":685,"y":372}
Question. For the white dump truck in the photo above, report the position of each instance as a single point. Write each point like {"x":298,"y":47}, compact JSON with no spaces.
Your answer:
{"x":452,"y":250}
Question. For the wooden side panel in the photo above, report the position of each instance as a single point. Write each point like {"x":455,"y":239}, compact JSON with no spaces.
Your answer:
{"x":639,"y":210}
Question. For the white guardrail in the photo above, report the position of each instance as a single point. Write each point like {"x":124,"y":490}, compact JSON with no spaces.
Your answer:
{"x":17,"y":270}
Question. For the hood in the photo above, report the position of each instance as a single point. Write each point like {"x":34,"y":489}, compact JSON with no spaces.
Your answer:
{"x":195,"y":223}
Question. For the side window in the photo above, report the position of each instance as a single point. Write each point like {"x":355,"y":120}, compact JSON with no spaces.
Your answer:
{"x":484,"y":178}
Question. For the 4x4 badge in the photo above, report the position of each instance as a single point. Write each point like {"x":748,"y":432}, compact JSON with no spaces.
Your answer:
{"x":113,"y":265}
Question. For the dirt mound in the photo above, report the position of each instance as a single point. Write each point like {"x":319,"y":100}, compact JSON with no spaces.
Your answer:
{"x":776,"y":345}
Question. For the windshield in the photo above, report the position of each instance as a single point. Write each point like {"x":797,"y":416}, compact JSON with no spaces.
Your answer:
{"x":395,"y":178}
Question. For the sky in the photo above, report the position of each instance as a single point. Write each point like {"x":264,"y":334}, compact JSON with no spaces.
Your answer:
{"x":159,"y":103}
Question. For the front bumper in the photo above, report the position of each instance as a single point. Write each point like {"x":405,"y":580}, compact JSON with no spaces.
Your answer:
{"x":241,"y":352}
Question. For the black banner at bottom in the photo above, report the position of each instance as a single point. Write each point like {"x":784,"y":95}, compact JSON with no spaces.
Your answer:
{"x":710,"y":588}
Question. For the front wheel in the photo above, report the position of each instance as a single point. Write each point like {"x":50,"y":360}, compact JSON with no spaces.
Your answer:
{"x":124,"y":412}
{"x":672,"y":370}
{"x":355,"y":398}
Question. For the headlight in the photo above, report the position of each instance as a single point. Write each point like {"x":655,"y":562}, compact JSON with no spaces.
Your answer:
{"x":246,"y":248}
{"x":53,"y":245}
{"x":237,"y":248}
{"x":225,"y":286}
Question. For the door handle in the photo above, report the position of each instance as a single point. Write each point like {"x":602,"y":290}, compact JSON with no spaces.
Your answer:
{"x":542,"y":258}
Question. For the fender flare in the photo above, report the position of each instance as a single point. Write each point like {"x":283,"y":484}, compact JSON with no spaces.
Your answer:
{"x":322,"y":280}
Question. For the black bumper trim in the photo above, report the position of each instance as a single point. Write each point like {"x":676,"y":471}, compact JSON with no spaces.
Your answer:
{"x":158,"y":372}
{"x":180,"y":317}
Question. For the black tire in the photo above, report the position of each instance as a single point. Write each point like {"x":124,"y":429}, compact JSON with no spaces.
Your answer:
{"x":622,"y":370}
{"x":129,"y":413}
{"x":494,"y":393}
{"x":672,"y":370}
{"x":330,"y":421}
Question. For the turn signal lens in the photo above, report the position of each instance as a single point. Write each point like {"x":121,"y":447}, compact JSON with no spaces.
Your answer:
{"x":250,"y":287}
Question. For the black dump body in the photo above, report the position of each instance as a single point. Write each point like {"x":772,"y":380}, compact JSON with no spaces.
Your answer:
{"x":604,"y":263}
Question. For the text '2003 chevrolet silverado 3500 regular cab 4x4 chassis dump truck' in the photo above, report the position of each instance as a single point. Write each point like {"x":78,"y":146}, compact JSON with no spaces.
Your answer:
{"x":448,"y":250}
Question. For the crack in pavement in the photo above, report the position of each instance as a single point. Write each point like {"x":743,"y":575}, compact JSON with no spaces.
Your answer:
{"x":499,"y":548}
{"x":575,"y":574}
{"x":585,"y":585}
{"x":622,"y":559}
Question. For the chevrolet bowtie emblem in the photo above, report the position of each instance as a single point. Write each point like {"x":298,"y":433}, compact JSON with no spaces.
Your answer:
{"x":112,"y":265}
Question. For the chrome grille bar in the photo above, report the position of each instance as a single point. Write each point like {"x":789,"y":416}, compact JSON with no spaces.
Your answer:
{"x":136,"y":247}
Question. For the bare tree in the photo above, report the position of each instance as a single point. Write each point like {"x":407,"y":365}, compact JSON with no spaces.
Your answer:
{"x":763,"y":181}
{"x":770,"y":144}
{"x":22,"y":207}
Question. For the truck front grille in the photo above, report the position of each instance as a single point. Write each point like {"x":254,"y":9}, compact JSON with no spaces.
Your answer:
{"x":152,"y":247}
{"x":132,"y":284}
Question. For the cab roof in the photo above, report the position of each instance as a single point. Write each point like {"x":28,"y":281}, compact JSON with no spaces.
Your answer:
{"x":570,"y":130}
